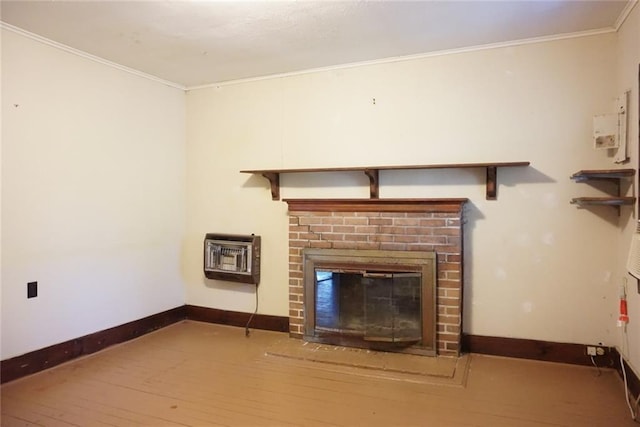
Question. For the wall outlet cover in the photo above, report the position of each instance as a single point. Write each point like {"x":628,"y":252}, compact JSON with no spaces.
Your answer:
{"x":32,"y":289}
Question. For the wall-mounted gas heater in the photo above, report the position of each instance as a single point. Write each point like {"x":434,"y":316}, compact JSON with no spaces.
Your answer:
{"x":232,"y":257}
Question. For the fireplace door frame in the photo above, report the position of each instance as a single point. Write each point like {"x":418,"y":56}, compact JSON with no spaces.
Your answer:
{"x":367,"y":261}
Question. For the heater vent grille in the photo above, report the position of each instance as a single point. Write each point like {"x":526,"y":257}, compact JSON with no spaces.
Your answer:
{"x":232,"y":257}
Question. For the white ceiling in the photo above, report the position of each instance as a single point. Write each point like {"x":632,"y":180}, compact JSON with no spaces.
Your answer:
{"x":198,"y":43}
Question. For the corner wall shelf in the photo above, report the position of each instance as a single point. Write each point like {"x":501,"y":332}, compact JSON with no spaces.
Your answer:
{"x":614,"y":176}
{"x":609,"y":201}
{"x":372,"y":172}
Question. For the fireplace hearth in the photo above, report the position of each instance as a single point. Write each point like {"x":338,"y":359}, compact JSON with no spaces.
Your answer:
{"x":351,"y":282}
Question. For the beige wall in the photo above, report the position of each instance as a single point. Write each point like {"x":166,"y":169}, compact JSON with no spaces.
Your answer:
{"x":537,"y":267}
{"x":93,"y":195}
{"x":628,"y":66}
{"x":94,"y":167}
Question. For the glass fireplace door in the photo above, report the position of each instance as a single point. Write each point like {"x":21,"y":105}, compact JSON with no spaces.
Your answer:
{"x":392,"y":307}
{"x":379,"y":306}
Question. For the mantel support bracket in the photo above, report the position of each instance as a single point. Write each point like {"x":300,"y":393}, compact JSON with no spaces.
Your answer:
{"x":492,"y":183}
{"x":374,"y":183}
{"x":274,"y":181}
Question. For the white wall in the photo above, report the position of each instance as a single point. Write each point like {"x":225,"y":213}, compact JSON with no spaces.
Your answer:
{"x":537,"y":267}
{"x":628,"y":65}
{"x":93,"y":195}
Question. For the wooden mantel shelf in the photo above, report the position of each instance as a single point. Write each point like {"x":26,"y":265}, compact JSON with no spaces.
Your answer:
{"x":372,"y":172}
{"x":376,"y":205}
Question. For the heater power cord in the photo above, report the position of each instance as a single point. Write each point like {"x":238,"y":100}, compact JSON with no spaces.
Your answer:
{"x":246,"y":328}
{"x":626,"y":391}
{"x":625,"y":344}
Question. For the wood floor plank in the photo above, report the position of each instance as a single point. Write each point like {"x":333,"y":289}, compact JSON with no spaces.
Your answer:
{"x":198,"y":374}
{"x":91,"y":402}
{"x":36,"y":413}
{"x":11,"y":421}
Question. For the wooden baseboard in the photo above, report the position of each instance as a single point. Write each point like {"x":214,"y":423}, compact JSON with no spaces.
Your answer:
{"x":39,"y":360}
{"x":236,"y":318}
{"x":574,"y":354}
{"x":45,"y":358}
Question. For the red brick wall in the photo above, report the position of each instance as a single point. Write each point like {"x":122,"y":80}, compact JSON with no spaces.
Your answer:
{"x":424,"y":228}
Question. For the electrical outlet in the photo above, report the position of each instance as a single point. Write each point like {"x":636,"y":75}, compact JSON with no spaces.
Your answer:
{"x":595,"y":350}
{"x":32,"y":289}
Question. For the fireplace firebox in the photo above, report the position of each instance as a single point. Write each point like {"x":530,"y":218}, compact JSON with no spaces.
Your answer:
{"x":370,"y":298}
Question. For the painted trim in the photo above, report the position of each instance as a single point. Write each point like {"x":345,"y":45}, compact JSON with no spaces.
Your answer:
{"x":45,"y":358}
{"x":236,"y":318}
{"x":620,"y":20}
{"x":40,"y":360}
{"x":574,"y":354}
{"x":85,"y":55}
{"x":418,"y":56}
{"x":546,"y":351}
{"x":625,"y":14}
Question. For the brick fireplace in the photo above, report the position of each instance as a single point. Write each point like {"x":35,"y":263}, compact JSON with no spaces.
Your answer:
{"x":422,"y":225}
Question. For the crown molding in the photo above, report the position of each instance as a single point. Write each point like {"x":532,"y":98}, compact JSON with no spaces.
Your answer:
{"x":85,"y":55}
{"x":533,"y":40}
{"x":625,"y":14}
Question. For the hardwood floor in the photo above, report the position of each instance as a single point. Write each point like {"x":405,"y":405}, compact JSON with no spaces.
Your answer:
{"x":200,"y":374}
